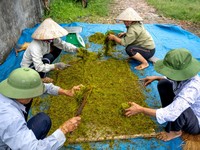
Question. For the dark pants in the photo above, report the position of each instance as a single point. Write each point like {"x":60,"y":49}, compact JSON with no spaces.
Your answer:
{"x":40,"y":124}
{"x":131,"y":50}
{"x":48,"y":58}
{"x":187,"y":121}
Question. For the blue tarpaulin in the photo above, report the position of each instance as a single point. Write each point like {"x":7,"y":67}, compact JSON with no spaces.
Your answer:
{"x":166,"y":37}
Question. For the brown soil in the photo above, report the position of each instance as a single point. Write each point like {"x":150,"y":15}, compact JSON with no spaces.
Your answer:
{"x":148,"y":13}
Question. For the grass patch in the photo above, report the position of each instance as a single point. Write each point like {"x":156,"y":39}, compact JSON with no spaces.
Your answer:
{"x":113,"y":84}
{"x":67,"y":11}
{"x":178,"y":9}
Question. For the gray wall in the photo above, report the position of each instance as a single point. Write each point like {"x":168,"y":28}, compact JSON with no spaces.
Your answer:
{"x":16,"y":15}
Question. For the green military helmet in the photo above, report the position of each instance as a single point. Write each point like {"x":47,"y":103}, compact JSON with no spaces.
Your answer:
{"x":22,"y":83}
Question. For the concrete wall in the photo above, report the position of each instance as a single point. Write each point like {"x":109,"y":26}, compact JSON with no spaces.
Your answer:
{"x":16,"y":15}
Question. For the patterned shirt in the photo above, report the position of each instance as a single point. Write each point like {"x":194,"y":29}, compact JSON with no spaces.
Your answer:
{"x":37,"y":49}
{"x":14,"y":133}
{"x":187,"y":94}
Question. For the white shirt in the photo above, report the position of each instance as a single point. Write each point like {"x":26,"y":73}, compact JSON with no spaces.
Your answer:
{"x":14,"y":133}
{"x":37,"y":49}
{"x":187,"y":94}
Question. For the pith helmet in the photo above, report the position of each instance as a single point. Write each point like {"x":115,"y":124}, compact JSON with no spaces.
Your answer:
{"x":129,"y":15}
{"x":22,"y":83}
{"x":178,"y":65}
{"x":49,"y":29}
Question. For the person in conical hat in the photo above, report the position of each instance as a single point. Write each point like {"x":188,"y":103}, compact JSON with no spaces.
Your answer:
{"x":17,"y":131}
{"x":137,"y":40}
{"x":45,"y":48}
{"x":179,"y":92}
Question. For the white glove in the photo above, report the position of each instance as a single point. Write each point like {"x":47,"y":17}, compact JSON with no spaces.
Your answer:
{"x":61,"y":65}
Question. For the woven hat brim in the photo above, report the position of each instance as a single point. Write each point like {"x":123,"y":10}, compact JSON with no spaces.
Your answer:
{"x":49,"y":29}
{"x":16,"y":93}
{"x":129,"y":15}
{"x":178,"y":75}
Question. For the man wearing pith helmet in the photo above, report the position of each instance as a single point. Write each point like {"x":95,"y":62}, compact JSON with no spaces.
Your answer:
{"x":16,"y":92}
{"x":46,"y":47}
{"x":137,"y":40}
{"x":179,"y":92}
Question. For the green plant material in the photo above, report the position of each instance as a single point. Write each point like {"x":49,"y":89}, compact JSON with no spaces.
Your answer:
{"x":113,"y":83}
{"x":108,"y":45}
{"x":71,"y":11}
{"x":85,"y":55}
{"x":178,"y":9}
{"x":80,"y":94}
{"x":97,"y":38}
{"x":123,"y":107}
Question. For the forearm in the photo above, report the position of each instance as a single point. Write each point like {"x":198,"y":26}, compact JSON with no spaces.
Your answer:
{"x":148,"y":111}
{"x":158,"y":78}
{"x":64,"y":92}
{"x":117,"y":39}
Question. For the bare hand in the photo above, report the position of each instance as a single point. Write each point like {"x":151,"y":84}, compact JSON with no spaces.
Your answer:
{"x":148,"y":80}
{"x":70,"y":125}
{"x":133,"y":110}
{"x":72,"y":91}
{"x":111,"y":36}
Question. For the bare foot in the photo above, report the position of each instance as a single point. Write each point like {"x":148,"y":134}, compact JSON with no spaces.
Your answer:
{"x":165,"y":136}
{"x":47,"y":80}
{"x":142,"y":66}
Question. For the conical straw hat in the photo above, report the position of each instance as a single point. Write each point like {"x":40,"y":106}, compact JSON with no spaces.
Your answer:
{"x":49,"y":29}
{"x":129,"y":15}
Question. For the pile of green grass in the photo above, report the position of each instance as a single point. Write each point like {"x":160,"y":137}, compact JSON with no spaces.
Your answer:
{"x":113,"y":84}
{"x":178,"y":9}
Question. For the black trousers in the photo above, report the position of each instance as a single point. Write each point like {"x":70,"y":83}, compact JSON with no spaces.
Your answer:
{"x":187,"y":121}
{"x":48,"y":58}
{"x":131,"y":50}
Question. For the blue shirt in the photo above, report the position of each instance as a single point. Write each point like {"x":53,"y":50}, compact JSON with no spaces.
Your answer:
{"x":187,"y":94}
{"x":14,"y":133}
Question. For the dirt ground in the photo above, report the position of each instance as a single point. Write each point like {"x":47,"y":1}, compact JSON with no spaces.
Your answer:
{"x":148,"y":13}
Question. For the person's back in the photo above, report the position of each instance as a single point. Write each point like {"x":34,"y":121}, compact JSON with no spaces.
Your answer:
{"x":140,"y":36}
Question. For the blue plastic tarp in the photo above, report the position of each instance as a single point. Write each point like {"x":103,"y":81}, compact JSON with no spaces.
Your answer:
{"x":166,"y":37}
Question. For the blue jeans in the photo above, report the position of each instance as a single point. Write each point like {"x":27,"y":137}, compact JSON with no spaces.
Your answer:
{"x":40,"y":124}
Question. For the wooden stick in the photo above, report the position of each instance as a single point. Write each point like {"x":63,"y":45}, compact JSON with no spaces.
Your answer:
{"x":80,"y":109}
{"x":121,"y":137}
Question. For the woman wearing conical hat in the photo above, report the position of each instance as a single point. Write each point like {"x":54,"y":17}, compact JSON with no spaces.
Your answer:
{"x":137,"y":40}
{"x":45,"y":48}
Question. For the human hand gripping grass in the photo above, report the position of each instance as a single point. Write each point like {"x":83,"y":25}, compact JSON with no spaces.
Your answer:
{"x":70,"y":92}
{"x":133,"y":110}
{"x":70,"y":125}
{"x":149,"y":79}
